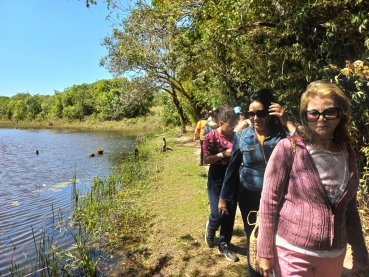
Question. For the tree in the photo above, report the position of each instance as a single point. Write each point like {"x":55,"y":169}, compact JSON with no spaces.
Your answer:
{"x":144,"y":44}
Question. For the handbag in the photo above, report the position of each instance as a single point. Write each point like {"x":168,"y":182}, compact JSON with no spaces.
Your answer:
{"x":255,"y":231}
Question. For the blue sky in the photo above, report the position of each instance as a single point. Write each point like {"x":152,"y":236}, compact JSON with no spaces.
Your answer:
{"x":48,"y":45}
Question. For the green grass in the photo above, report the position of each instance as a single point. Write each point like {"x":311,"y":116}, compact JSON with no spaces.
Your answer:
{"x":148,"y":217}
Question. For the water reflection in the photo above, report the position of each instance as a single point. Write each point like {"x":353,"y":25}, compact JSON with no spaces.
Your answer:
{"x":31,"y":184}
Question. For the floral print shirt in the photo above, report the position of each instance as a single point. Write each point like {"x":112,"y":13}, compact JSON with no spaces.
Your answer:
{"x":215,"y":142}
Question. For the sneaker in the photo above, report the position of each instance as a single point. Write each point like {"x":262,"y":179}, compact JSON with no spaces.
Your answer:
{"x":209,"y":236}
{"x":230,"y":256}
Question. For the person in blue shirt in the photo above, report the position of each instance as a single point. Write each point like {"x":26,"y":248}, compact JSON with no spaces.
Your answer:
{"x":251,"y":150}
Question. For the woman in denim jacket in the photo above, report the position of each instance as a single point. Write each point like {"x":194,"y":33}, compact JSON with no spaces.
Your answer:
{"x":251,"y":150}
{"x":308,"y":212}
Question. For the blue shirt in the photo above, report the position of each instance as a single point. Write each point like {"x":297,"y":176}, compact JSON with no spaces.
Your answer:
{"x":248,"y":160}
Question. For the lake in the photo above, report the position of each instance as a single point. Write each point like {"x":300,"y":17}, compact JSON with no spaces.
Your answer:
{"x":31,"y":184}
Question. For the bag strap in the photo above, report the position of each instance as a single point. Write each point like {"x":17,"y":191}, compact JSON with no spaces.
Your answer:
{"x":239,"y":144}
{"x":293,"y":152}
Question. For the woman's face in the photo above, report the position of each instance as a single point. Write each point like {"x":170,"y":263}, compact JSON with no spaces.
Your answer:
{"x":260,"y":123}
{"x":323,"y":128}
{"x":227,"y":127}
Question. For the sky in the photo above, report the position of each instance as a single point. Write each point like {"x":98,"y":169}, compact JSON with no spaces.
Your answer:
{"x":48,"y":45}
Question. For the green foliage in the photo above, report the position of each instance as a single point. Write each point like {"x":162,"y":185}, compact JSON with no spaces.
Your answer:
{"x":105,"y":99}
{"x":168,"y":112}
{"x":216,"y":52}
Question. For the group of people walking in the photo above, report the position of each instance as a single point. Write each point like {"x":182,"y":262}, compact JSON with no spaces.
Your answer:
{"x":302,"y":181}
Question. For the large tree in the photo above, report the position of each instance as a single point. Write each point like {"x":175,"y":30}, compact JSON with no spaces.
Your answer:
{"x":144,"y":43}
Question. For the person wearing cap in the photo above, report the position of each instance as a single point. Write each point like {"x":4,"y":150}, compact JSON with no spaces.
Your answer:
{"x":242,"y":123}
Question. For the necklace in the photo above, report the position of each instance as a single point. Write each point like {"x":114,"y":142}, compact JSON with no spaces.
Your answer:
{"x":324,"y":150}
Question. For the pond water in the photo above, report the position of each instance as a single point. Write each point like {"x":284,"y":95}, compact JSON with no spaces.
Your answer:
{"x":31,"y":184}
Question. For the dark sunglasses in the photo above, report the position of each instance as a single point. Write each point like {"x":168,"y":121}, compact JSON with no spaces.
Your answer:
{"x":259,"y":114}
{"x":328,"y":114}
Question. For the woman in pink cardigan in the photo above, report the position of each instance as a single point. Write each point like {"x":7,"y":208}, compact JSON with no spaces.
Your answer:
{"x":309,"y":214}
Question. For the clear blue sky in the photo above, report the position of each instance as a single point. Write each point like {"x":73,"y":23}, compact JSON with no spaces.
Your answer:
{"x":48,"y":45}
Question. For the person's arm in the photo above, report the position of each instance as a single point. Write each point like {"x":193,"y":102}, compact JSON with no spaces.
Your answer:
{"x":231,"y":178}
{"x":360,"y":265}
{"x":213,"y":158}
{"x":242,"y":125}
{"x":196,"y":130}
{"x":355,"y":233}
{"x":277,"y":110}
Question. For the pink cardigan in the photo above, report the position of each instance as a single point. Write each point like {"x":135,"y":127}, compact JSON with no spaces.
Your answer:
{"x":304,"y":216}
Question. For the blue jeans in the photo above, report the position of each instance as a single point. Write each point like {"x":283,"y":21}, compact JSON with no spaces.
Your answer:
{"x":215,"y":182}
{"x":249,"y":200}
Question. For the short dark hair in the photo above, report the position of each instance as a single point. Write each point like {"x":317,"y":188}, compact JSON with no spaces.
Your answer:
{"x":226,"y":112}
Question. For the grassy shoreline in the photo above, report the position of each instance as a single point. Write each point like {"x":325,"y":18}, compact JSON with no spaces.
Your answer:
{"x":150,"y":216}
{"x":176,"y":200}
{"x":149,"y":123}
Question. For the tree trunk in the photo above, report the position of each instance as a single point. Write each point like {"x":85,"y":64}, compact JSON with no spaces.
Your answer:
{"x":178,"y":105}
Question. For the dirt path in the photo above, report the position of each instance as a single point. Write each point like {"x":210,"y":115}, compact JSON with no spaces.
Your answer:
{"x":179,"y":207}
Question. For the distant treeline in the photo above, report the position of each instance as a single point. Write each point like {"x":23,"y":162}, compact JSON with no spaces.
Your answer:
{"x":113,"y":99}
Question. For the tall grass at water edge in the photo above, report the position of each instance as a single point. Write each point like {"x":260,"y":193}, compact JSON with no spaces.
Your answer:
{"x":103,"y":220}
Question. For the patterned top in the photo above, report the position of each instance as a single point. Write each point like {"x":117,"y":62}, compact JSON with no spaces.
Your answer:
{"x":215,"y":142}
{"x":333,"y":170}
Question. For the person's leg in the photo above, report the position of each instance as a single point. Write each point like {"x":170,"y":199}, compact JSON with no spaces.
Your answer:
{"x":226,"y":231}
{"x":214,"y":218}
{"x":249,"y":200}
{"x":290,"y":263}
{"x":213,"y":194}
{"x":227,"y":224}
{"x":330,"y":267}
{"x":201,"y":153}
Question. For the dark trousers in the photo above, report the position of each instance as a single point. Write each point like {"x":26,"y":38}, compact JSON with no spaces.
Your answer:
{"x":226,"y":223}
{"x":201,"y":152}
{"x":249,"y":200}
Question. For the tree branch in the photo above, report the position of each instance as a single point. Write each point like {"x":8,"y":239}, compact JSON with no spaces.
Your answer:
{"x":253,"y":25}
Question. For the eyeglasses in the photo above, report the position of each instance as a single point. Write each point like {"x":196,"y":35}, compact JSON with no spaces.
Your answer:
{"x":229,"y":127}
{"x":259,"y":114}
{"x":328,"y":114}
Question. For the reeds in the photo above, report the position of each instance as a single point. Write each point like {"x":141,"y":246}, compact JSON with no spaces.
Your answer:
{"x":103,"y":219}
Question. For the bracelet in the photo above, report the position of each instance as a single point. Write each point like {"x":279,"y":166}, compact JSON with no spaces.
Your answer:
{"x":221,"y":154}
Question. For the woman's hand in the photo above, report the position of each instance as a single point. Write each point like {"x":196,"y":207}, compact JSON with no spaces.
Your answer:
{"x":222,"y":205}
{"x":265,"y":265}
{"x":277,"y":110}
{"x":227,"y":153}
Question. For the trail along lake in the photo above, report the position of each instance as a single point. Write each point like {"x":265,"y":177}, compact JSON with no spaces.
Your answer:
{"x":31,"y":184}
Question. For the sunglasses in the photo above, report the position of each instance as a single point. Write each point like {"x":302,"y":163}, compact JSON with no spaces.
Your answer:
{"x":259,"y":114}
{"x":229,"y":127}
{"x":328,"y":114}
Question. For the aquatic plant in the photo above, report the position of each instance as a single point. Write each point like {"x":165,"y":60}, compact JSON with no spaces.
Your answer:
{"x":104,"y":219}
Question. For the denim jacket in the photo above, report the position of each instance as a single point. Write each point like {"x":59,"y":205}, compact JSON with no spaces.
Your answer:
{"x":248,"y":161}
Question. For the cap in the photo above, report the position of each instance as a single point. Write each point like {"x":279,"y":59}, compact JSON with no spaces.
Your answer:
{"x":237,"y":110}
